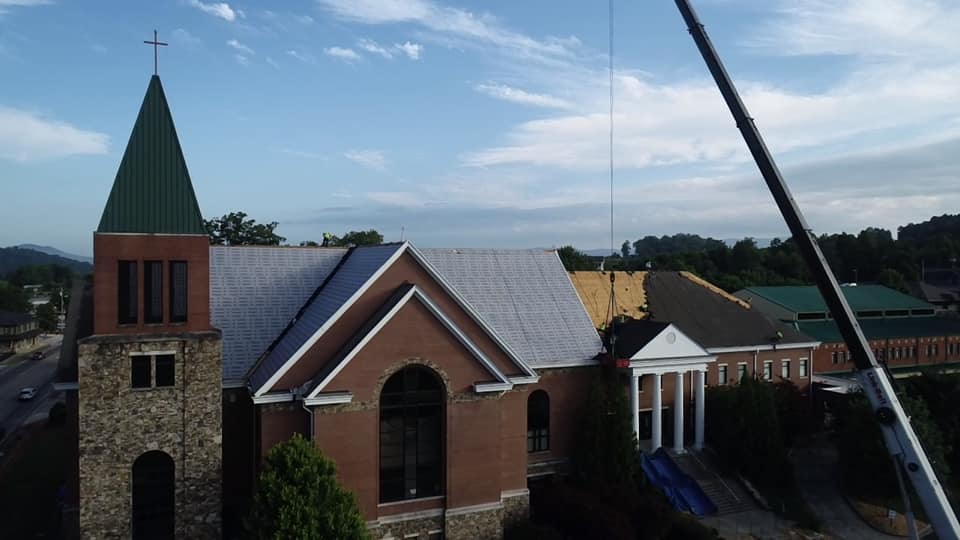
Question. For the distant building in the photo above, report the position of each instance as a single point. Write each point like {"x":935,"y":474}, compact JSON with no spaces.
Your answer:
{"x":904,"y":332}
{"x":18,"y":332}
{"x":678,"y":328}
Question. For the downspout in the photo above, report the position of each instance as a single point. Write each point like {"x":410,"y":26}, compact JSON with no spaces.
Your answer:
{"x":756,"y":353}
{"x":309,"y":410}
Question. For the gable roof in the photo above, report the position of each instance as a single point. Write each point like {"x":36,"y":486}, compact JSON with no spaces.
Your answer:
{"x":807,"y":298}
{"x":526,"y":296}
{"x":360,"y":266}
{"x":400,"y":298}
{"x":255,"y":291}
{"x":152,"y":192}
{"x":713,"y":320}
{"x":633,"y":335}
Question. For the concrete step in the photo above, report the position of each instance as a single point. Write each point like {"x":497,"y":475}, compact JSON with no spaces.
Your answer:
{"x":725,"y":493}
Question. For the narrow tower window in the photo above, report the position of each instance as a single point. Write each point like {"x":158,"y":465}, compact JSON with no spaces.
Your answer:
{"x":178,"y":291}
{"x":153,"y":291}
{"x":127,"y":292}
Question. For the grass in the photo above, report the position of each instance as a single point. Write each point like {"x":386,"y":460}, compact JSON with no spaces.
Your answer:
{"x":30,"y":478}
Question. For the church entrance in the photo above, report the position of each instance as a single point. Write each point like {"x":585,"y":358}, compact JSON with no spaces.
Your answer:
{"x":153,"y":496}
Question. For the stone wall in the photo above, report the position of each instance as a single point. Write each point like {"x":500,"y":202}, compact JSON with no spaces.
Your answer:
{"x":516,"y":507}
{"x":477,"y":523}
{"x":421,"y":524}
{"x":117,"y":424}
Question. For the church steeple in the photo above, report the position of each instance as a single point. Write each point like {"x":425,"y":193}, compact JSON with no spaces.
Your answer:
{"x":152,"y":192}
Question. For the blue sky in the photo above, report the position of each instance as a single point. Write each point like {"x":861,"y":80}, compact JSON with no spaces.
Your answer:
{"x":485,"y":123}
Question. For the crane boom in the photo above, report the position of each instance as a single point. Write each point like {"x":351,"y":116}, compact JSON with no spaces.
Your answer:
{"x":900,"y":438}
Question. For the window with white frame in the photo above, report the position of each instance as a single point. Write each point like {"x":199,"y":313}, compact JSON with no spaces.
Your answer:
{"x":768,"y":370}
{"x":785,"y":369}
{"x":721,"y":374}
{"x":741,"y":371}
{"x":803,"y":367}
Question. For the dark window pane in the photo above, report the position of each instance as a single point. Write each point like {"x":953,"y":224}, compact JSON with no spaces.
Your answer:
{"x":178,"y":291}
{"x":140,"y":371}
{"x":127,"y":292}
{"x":153,"y":292}
{"x":411,"y":450}
{"x":538,"y":422}
{"x":153,"y":496}
{"x":165,"y":370}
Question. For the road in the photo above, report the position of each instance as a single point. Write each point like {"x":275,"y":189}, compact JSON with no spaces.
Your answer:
{"x":36,"y":373}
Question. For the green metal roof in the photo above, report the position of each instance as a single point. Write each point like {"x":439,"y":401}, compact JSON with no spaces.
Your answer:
{"x":807,"y":298}
{"x":152,"y":192}
{"x":888,"y":328}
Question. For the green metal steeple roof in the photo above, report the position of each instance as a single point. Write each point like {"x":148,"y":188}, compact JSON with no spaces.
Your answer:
{"x":152,"y":192}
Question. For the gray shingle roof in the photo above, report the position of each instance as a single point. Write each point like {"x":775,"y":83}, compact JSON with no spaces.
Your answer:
{"x":256,"y":291}
{"x":358,"y":266}
{"x":526,"y":297}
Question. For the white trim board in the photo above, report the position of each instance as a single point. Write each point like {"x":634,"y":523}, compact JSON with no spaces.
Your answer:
{"x":768,"y":347}
{"x":503,"y":383}
{"x":406,"y":247}
{"x":276,"y":397}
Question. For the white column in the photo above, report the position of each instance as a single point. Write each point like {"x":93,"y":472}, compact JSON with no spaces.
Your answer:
{"x":678,"y":414}
{"x":699,"y":383}
{"x":635,"y":402}
{"x":657,"y":415}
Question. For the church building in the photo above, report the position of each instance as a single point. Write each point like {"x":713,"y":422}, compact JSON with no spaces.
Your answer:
{"x":439,"y":380}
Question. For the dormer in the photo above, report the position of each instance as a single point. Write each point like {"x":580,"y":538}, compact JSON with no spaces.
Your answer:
{"x":151,"y":250}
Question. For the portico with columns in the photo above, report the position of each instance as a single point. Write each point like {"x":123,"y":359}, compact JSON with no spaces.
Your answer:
{"x":653,"y":354}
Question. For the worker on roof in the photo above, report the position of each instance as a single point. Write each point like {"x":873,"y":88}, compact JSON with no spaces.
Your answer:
{"x":326,"y":240}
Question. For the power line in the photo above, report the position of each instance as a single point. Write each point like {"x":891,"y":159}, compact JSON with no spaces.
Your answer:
{"x":612,"y":243}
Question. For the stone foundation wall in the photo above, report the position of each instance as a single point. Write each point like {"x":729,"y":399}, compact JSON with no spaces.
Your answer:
{"x":420,"y":524}
{"x":516,"y":508}
{"x":117,"y":424}
{"x":480,"y":524}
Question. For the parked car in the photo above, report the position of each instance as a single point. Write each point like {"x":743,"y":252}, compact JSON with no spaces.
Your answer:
{"x":38,"y":355}
{"x":27,"y":393}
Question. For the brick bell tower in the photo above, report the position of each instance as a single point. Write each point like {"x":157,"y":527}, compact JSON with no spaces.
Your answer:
{"x":149,"y":386}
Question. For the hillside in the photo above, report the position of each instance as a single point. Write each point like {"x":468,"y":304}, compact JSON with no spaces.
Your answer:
{"x":12,"y":258}
{"x":54,"y":251}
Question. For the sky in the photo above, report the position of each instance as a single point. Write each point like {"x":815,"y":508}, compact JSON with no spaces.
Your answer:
{"x":485,"y":124}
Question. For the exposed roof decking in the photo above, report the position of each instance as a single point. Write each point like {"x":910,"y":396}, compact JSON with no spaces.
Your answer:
{"x":594,"y":290}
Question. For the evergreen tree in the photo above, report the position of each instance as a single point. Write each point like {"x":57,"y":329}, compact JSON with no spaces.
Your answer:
{"x":605,"y":455}
{"x":298,"y":497}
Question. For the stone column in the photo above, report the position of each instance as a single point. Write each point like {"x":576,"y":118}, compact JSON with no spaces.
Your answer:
{"x":635,"y":402}
{"x":678,"y":414}
{"x":699,"y":384}
{"x":657,"y":414}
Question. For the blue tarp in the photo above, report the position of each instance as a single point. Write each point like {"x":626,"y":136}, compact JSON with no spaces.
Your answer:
{"x":682,"y":491}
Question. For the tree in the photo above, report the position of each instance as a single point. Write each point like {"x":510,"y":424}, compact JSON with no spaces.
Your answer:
{"x":574,"y":260}
{"x":46,"y":316}
{"x":625,"y":249}
{"x":297,"y":496}
{"x":605,"y":453}
{"x":13,"y":298}
{"x":234,"y":229}
{"x":889,"y":277}
{"x":358,"y":238}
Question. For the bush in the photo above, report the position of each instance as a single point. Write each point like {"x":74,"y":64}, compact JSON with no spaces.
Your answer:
{"x":58,"y":414}
{"x":297,"y":496}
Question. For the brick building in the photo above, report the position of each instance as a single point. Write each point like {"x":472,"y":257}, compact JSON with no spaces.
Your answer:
{"x":18,"y":332}
{"x":904,"y":332}
{"x":439,"y":380}
{"x":681,"y":329}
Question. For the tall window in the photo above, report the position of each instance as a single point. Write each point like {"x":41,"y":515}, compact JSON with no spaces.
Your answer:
{"x":127,"y":292}
{"x":768,"y":370}
{"x":741,"y":371}
{"x":538,"y":422}
{"x":785,"y":369}
{"x":803,"y":367}
{"x":411,"y":438}
{"x":178,"y":291}
{"x":833,"y":357}
{"x":153,"y":291}
{"x":153,"y":511}
{"x":721,"y":374}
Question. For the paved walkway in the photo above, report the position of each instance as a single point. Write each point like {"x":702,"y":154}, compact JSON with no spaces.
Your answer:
{"x":815,"y":466}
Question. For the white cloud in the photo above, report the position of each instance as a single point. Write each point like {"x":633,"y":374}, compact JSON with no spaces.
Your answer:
{"x":272,"y":62}
{"x":221,"y":10}
{"x":241,"y":59}
{"x":515,"y":95}
{"x":371,"y":159}
{"x":373,"y":47}
{"x":24,"y":3}
{"x":341,"y":53}
{"x":185,"y":38}
{"x":449,"y":24}
{"x":240,"y":47}
{"x":26,"y":136}
{"x":301,"y":153}
{"x":412,"y":50}
{"x":301,"y":56}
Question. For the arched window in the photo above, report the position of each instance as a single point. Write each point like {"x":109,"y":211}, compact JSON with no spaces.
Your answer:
{"x":411,"y":436}
{"x":153,"y":497}
{"x":538,"y":422}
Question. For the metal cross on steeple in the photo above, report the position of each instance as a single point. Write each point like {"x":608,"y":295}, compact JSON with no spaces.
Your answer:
{"x":155,"y":44}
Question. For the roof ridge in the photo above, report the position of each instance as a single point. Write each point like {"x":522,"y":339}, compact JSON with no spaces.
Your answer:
{"x":715,"y":289}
